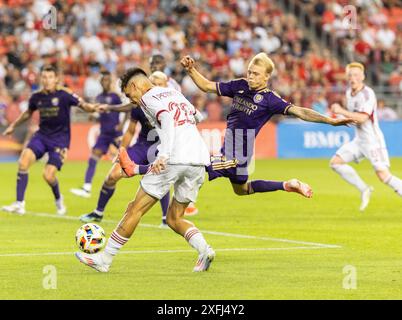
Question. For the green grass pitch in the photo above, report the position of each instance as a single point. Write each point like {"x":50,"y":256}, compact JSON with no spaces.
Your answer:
{"x":255,"y":259}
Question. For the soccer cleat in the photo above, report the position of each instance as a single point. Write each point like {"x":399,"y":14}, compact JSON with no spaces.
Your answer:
{"x":163,"y":225}
{"x":204,"y":260}
{"x":81,"y":192}
{"x":297,"y":186}
{"x":365,"y":196}
{"x":91,"y":217}
{"x":94,"y":261}
{"x":126,"y":164}
{"x":191,"y":210}
{"x":17,"y":207}
{"x":61,"y":208}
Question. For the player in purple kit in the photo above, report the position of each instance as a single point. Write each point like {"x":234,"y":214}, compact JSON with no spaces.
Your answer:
{"x":53,"y":137}
{"x":142,"y":152}
{"x":253,"y":105}
{"x":110,"y":133}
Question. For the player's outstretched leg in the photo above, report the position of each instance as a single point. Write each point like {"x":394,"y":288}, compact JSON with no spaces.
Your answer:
{"x":105,"y":194}
{"x":261,"y":186}
{"x":49,"y":174}
{"x":350,"y":175}
{"x":193,"y":236}
{"x":27,"y":158}
{"x":135,"y":210}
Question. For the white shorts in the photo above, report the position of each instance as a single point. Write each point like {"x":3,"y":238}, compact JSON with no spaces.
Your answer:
{"x":356,"y":151}
{"x":186,"y":180}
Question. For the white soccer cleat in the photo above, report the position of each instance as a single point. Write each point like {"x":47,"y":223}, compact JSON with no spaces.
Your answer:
{"x":365,"y":196}
{"x":61,"y":208}
{"x":81,"y":192}
{"x":17,"y":207}
{"x":94,"y":261}
{"x":204,"y":260}
{"x":297,"y":186}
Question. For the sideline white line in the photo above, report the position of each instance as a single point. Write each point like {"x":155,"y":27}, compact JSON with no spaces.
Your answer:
{"x":157,"y":251}
{"x":223,"y":234}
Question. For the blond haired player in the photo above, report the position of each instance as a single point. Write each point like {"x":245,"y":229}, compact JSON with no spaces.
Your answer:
{"x":180,"y":163}
{"x":369,"y":143}
{"x":253,"y":106}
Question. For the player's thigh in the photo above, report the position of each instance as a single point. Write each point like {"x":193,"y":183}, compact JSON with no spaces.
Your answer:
{"x":27,"y":158}
{"x":240,"y":188}
{"x":97,"y":153}
{"x":142,"y":202}
{"x":379,"y":159}
{"x":158,"y":185}
{"x":176,"y":209}
{"x":190,"y":180}
{"x":57,"y":157}
{"x":349,"y":152}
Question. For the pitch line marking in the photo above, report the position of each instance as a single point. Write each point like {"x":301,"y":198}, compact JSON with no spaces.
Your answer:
{"x":11,"y":255}
{"x":223,"y":234}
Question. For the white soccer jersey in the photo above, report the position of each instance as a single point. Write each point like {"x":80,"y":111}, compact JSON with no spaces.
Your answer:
{"x":365,"y":101}
{"x":187,"y":146}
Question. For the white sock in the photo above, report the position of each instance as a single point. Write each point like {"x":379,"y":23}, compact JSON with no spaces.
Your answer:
{"x":196,"y":239}
{"x":113,"y":246}
{"x":395,"y":183}
{"x":87,"y":187}
{"x":350,"y":175}
{"x":99,"y":213}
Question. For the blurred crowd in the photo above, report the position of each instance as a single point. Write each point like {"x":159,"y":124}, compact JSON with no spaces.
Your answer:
{"x":370,"y":31}
{"x":92,"y":35}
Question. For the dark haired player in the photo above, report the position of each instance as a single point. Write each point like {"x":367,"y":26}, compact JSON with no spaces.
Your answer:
{"x":53,"y":137}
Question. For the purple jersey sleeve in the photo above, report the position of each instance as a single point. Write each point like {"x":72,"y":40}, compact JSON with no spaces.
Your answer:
{"x":228,"y":89}
{"x":278,"y":105}
{"x":74,"y":100}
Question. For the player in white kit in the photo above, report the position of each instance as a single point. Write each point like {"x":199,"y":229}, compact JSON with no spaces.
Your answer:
{"x":180,"y":163}
{"x":369,"y":141}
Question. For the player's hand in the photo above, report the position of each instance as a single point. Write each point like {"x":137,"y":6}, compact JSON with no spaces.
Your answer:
{"x":159,"y":165}
{"x":343,"y":122}
{"x":102,"y":108}
{"x":10,"y":129}
{"x":336,"y":108}
{"x":187,"y":62}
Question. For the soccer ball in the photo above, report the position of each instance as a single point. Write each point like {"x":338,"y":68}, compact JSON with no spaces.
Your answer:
{"x":90,"y":238}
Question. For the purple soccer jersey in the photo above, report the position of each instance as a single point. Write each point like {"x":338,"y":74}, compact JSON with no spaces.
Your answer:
{"x":109,"y":120}
{"x":144,"y":150}
{"x":250,"y":111}
{"x":54,"y":110}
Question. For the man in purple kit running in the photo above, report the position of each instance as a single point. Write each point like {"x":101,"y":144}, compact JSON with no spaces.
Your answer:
{"x":53,"y":137}
{"x":110,"y":132}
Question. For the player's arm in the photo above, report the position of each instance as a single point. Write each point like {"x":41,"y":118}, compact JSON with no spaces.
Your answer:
{"x":86,"y":106}
{"x":129,"y":134}
{"x":204,"y":84}
{"x":124,"y":107}
{"x":313,"y":116}
{"x":26,"y":115}
{"x":358,"y":117}
{"x":166,"y":136}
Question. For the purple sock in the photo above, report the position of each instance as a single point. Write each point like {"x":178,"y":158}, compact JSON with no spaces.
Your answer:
{"x":90,"y":170}
{"x":165,"y":205}
{"x":105,"y":194}
{"x":143,"y":169}
{"x":22,"y":182}
{"x":55,"y":190}
{"x":265,"y":186}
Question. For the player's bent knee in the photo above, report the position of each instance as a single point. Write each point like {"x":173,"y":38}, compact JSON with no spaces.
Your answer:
{"x":383,"y":175}
{"x":49,"y":176}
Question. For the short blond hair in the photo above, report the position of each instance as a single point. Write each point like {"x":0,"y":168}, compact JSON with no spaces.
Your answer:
{"x":262,"y":59}
{"x":355,"y":65}
{"x":158,"y":75}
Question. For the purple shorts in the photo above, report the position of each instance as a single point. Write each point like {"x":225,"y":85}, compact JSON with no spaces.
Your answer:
{"x":237,"y":175}
{"x":104,"y":141}
{"x":143,"y":152}
{"x":41,"y":145}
